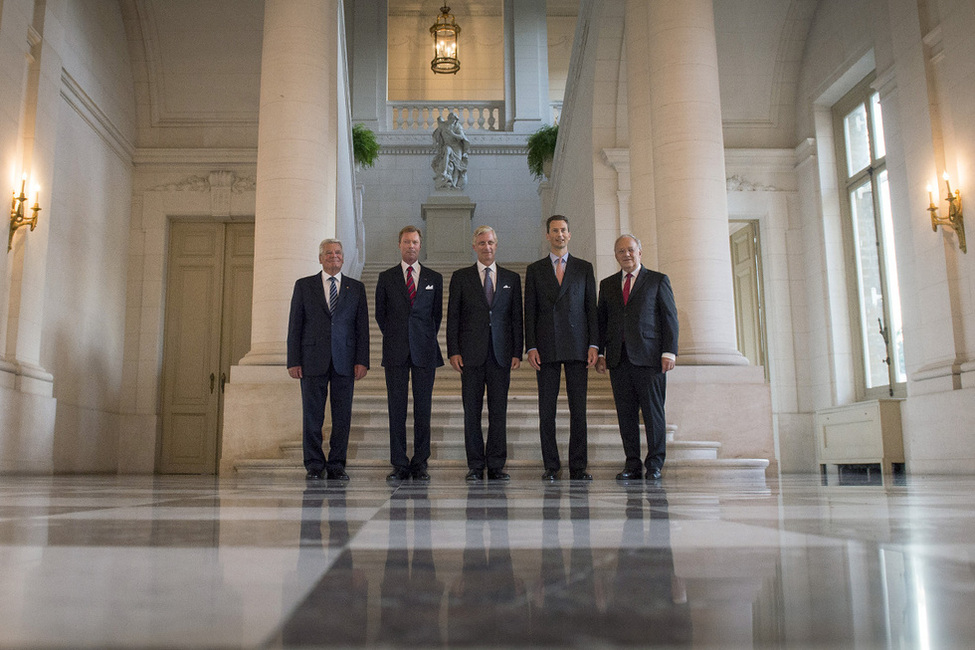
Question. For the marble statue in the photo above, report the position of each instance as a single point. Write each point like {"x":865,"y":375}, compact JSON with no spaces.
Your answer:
{"x":453,"y":150}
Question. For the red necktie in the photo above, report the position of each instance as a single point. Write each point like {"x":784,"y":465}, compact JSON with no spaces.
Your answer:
{"x":410,"y":286}
{"x":626,"y":288}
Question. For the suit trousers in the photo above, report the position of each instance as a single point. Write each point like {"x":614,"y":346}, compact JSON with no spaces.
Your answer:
{"x":636,"y":389}
{"x":576,"y":383}
{"x":473,"y":380}
{"x":397,"y":386}
{"x":314,"y":393}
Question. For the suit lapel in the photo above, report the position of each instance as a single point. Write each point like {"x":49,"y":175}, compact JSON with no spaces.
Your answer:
{"x":566,"y":273}
{"x":318,"y":292}
{"x":476,"y":279}
{"x":642,"y":277}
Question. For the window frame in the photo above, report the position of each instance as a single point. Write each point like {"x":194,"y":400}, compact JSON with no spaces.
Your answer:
{"x":863,"y":94}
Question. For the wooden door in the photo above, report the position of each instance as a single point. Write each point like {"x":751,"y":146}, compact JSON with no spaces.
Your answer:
{"x":207,"y":323}
{"x":749,"y":306}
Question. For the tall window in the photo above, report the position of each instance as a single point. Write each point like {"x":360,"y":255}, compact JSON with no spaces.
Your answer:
{"x":863,"y":174}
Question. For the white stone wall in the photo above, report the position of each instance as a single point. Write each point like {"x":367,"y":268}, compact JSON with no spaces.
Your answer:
{"x":70,"y":118}
{"x":481,"y":54}
{"x":924,"y":67}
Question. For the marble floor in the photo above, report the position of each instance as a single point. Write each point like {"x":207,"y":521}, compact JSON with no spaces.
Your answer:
{"x":200,"y":562}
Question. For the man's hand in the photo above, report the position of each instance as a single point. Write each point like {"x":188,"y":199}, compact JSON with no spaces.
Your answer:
{"x":534,"y":359}
{"x":601,"y":365}
{"x":456,"y":362}
{"x":592,"y":357}
{"x":667,"y":364}
{"x":359,"y":371}
{"x":295,"y":372}
{"x":515,"y":363}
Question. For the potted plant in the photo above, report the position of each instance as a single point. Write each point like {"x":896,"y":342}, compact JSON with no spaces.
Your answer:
{"x":365,"y":148}
{"x":541,"y":150}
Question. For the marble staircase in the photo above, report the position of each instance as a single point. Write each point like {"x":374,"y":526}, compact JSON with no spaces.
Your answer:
{"x":369,"y":437}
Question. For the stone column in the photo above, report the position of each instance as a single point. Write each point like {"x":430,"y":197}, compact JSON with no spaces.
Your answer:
{"x":295,"y":209}
{"x":527,"y":105}
{"x":690,"y":193}
{"x":295,"y":197}
{"x":641,"y":208}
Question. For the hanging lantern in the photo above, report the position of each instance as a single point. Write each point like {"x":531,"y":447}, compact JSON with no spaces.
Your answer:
{"x":444,"y":32}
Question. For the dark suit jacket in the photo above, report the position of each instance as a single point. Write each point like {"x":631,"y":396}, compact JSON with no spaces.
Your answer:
{"x":560,"y":320}
{"x":317,"y":338}
{"x":470,"y":321}
{"x":648,"y":321}
{"x":410,"y":332}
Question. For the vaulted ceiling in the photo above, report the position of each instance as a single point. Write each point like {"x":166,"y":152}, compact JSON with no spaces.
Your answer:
{"x":197,"y":65}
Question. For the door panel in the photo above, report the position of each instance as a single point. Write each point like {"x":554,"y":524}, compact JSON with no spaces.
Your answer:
{"x":207,"y":329}
{"x":748,"y":295}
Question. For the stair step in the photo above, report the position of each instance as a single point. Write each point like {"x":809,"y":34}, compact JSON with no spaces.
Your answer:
{"x":609,"y":450}
{"x":738,"y":471}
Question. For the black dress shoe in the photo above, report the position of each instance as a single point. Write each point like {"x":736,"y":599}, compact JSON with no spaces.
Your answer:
{"x":421,"y":475}
{"x":653,"y":474}
{"x":314,"y":475}
{"x":338,"y":474}
{"x":550,"y":475}
{"x":398,"y":474}
{"x":474,"y":476}
{"x":629,"y":475}
{"x":498,"y":475}
{"x":580,"y":475}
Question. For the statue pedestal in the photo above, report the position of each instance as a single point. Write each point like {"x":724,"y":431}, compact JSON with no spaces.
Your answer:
{"x":448,"y":214}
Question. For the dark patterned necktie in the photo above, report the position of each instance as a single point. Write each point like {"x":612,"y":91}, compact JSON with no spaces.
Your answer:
{"x":410,"y":286}
{"x":626,"y":288}
{"x":488,"y":287}
{"x":333,"y":294}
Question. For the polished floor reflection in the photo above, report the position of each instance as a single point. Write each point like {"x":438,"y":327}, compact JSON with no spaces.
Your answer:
{"x":192,"y":562}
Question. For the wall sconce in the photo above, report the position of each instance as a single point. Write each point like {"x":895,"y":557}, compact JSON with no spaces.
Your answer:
{"x":17,"y":217}
{"x":955,"y":219}
{"x":445,"y":32}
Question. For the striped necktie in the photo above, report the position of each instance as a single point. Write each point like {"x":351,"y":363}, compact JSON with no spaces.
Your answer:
{"x":488,"y":287}
{"x":333,"y":295}
{"x":410,"y":286}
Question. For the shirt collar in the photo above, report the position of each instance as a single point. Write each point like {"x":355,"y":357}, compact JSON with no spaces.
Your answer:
{"x":416,"y":267}
{"x":337,"y":276}
{"x":552,"y":257}
{"x":493,"y":267}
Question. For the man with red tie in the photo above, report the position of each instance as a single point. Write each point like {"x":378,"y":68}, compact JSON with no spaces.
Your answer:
{"x":638,"y":327}
{"x":409,"y":308}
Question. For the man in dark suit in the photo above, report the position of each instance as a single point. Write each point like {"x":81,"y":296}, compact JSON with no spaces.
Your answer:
{"x":638,"y":343}
{"x":328,"y":345}
{"x":484,"y":344}
{"x":409,"y":307}
{"x":561,"y":331}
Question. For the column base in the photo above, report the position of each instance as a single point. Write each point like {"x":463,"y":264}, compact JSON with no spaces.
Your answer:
{"x":711,"y":357}
{"x":727,"y":404}
{"x":274,"y":353}
{"x":261,"y":411}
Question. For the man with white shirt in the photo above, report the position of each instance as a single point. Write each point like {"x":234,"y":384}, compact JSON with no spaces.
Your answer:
{"x":328,"y":347}
{"x":484,"y":344}
{"x":409,"y":308}
{"x":638,"y":343}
